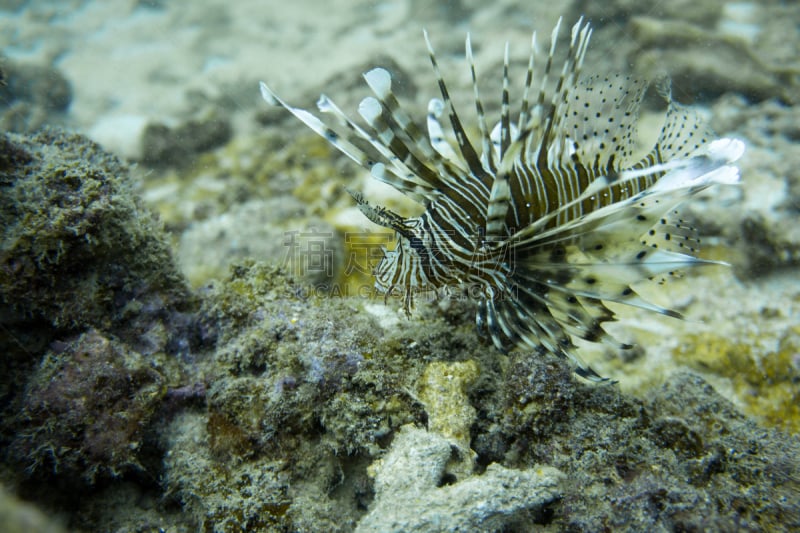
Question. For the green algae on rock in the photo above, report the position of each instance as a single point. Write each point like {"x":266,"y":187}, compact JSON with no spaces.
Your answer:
{"x":86,"y":410}
{"x":290,"y":362}
{"x":763,"y":374}
{"x":285,"y":407}
{"x":677,"y":460}
{"x":442,"y":389}
{"x":93,"y":312}
{"x":78,"y":246}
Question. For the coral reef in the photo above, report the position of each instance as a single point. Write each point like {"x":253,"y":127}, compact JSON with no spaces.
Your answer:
{"x":222,"y":494}
{"x":442,"y":390}
{"x":264,"y":401}
{"x":285,"y":407}
{"x":94,"y":316}
{"x":313,"y":389}
{"x":298,"y":394}
{"x":79,"y":249}
{"x":275,"y":406}
{"x":684,"y":459}
{"x":85,"y":410}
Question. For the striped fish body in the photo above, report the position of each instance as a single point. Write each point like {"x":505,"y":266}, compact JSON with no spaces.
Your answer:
{"x":552,"y":215}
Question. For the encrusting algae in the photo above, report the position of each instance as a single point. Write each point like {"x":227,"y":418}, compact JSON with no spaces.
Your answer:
{"x":764,"y":381}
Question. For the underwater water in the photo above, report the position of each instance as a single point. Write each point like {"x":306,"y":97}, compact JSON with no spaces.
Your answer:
{"x":190,"y":333}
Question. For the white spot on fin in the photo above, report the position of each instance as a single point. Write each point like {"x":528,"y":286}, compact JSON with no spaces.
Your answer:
{"x":436,"y":107}
{"x":378,"y":171}
{"x":703,"y":170}
{"x":324,"y":104}
{"x":380,"y":81}
{"x":727,"y":150}
{"x":369,"y":109}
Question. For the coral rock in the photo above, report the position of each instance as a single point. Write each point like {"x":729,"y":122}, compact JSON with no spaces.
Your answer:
{"x":408,"y":497}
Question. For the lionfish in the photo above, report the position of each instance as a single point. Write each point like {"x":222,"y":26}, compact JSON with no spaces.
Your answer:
{"x":554,"y":217}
